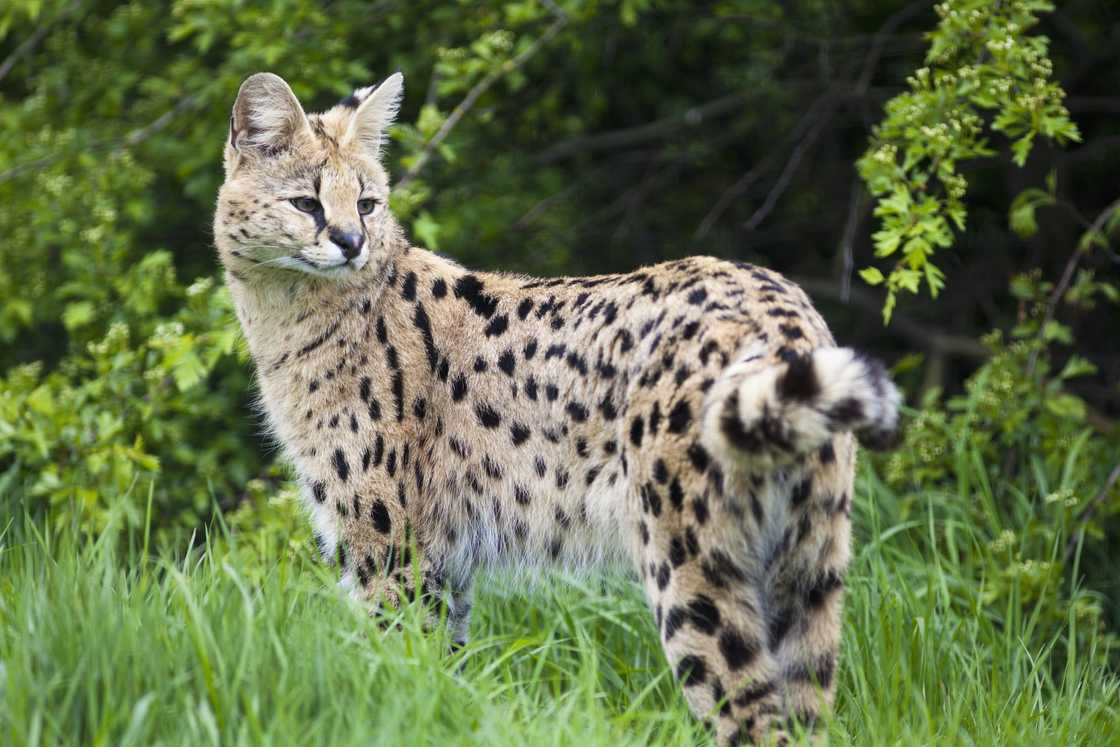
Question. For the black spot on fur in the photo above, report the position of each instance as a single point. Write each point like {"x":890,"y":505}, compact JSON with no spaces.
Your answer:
{"x":818,"y":593}
{"x":737,"y":651}
{"x":488,"y":417}
{"x":497,"y":326}
{"x":651,"y":499}
{"x":677,"y":554}
{"x":676,"y":494}
{"x":493,"y":469}
{"x":754,"y":693}
{"x":319,"y":490}
{"x":458,"y":388}
{"x":322,"y":338}
{"x":637,"y":429}
{"x":424,"y":324}
{"x":507,"y":362}
{"x":676,"y":617}
{"x":519,"y":434}
{"x":470,"y":289}
{"x":398,"y":394}
{"x":791,"y":331}
{"x":577,"y":412}
{"x":700,"y":509}
{"x":699,"y":457}
{"x":341,"y":467}
{"x":732,"y":427}
{"x":577,"y":362}
{"x":439,"y":288}
{"x":799,"y":383}
{"x":691,"y":670}
{"x":408,"y":288}
{"x":720,"y":571}
{"x":703,"y":614}
{"x":846,"y":412}
{"x":607,"y":408}
{"x":819,"y":671}
{"x":801,"y":492}
{"x":380,"y":515}
{"x":524,"y":308}
{"x":680,"y":417}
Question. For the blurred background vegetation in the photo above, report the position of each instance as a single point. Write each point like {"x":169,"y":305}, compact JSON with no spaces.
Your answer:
{"x":866,"y":148}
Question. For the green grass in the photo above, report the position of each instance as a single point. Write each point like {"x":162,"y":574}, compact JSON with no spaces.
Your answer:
{"x":231,"y":645}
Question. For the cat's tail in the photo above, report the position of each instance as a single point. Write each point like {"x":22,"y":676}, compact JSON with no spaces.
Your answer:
{"x":769,"y":412}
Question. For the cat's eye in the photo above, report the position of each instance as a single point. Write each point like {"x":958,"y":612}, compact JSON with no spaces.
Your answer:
{"x":306,"y":204}
{"x":366,"y":205}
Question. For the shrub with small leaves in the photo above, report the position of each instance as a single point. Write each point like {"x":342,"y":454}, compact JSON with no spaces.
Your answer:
{"x":983,"y":74}
{"x":155,"y":401}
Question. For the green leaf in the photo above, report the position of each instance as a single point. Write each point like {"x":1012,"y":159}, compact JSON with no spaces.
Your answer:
{"x":871,"y":275}
{"x":1077,"y":366}
{"x":1022,"y":220}
{"x":426,"y":229}
{"x":1066,"y":406}
{"x":77,"y":314}
{"x":188,"y":371}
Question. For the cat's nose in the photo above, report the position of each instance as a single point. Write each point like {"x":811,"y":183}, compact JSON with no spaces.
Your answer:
{"x":350,"y":242}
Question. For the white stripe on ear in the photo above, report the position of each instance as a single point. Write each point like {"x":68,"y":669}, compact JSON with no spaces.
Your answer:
{"x":266,"y":115}
{"x":374,"y":115}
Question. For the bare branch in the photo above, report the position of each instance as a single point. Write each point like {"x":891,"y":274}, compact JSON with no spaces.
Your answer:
{"x":655,"y":130}
{"x":858,"y":209}
{"x":922,"y":335}
{"x":1067,"y":276}
{"x":475,"y":93}
{"x":784,"y":178}
{"x":130,"y":139}
{"x":881,"y":36}
{"x":29,"y":44}
{"x":1090,"y":510}
{"x":732,"y":193}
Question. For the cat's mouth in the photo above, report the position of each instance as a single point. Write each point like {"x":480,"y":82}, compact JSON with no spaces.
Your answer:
{"x":332,"y":268}
{"x":325,"y":269}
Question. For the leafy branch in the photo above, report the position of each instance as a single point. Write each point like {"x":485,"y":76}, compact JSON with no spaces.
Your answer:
{"x":983,"y":74}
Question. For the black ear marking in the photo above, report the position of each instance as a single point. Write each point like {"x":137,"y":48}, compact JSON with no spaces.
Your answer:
{"x":233,"y":132}
{"x":350,"y":102}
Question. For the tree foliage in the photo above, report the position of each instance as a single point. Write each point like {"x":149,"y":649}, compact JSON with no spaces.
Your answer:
{"x":983,"y":72}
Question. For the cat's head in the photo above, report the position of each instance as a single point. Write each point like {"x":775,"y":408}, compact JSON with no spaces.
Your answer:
{"x":306,"y":193}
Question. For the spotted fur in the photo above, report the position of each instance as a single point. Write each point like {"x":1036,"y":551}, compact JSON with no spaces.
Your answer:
{"x":692,"y":420}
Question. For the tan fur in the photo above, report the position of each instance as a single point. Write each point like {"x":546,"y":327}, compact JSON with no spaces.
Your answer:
{"x":689,"y":420}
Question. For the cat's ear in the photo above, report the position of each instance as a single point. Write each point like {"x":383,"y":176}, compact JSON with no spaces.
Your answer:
{"x":377,"y":108}
{"x":266,"y":117}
